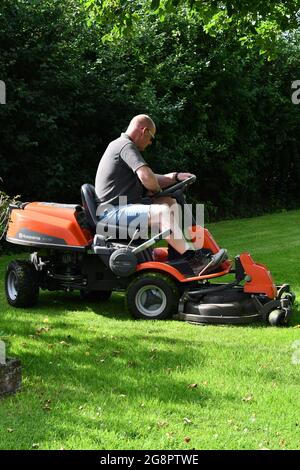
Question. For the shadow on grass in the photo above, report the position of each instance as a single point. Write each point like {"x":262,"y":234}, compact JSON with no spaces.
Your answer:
{"x":107,"y":368}
{"x":123,"y":377}
{"x":58,"y":303}
{"x":63,"y":302}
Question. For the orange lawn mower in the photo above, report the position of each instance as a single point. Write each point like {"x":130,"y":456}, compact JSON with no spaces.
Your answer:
{"x":67,"y":253}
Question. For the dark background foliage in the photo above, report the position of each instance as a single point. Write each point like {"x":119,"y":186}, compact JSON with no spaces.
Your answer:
{"x":222,"y":111}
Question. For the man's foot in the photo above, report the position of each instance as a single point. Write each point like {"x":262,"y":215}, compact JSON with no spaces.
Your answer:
{"x":215,"y":261}
{"x":201,"y":261}
{"x":188,"y":255}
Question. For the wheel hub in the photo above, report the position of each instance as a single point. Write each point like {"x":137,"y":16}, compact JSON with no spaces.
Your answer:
{"x":151,"y":300}
{"x":12,"y":285}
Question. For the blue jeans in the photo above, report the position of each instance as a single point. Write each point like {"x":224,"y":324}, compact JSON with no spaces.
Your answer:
{"x":129,"y":217}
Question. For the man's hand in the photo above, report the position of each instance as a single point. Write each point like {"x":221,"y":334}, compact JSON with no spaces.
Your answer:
{"x":184,"y":176}
{"x":172,"y":178}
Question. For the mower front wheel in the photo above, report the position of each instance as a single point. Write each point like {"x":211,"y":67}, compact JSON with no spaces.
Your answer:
{"x":21,"y":284}
{"x":152,"y":296}
{"x":278,"y":317}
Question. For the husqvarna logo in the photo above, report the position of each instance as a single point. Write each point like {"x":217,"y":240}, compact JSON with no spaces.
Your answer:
{"x":2,"y":92}
{"x":28,"y":237}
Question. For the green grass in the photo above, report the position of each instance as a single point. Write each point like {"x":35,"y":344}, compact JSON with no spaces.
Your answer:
{"x":93,"y":378}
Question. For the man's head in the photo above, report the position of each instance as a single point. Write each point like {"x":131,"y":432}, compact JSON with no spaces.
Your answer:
{"x":141,"y":130}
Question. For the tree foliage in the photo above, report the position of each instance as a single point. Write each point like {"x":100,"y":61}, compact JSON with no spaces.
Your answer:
{"x":222,"y":110}
{"x":258,"y":22}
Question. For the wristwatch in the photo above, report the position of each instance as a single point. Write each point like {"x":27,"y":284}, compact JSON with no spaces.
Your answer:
{"x":176,"y":176}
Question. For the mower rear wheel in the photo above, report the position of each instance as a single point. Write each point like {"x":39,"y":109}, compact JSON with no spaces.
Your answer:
{"x":21,"y":284}
{"x":277,"y":317}
{"x":96,"y":295}
{"x":152,"y":296}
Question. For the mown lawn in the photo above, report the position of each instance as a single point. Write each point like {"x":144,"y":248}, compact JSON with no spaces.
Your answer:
{"x":93,"y":378}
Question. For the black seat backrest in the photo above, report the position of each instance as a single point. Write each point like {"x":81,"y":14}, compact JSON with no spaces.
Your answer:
{"x":89,"y":202}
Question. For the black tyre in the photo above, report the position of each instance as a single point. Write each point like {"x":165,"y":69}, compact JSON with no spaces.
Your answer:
{"x":152,"y":296}
{"x":277,"y":317}
{"x":96,"y":295}
{"x":21,"y":284}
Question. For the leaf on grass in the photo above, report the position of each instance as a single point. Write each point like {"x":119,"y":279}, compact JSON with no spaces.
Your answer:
{"x":64,"y":343}
{"x":47,"y":406}
{"x":162,"y":424}
{"x":10,"y":430}
{"x":132,"y":364}
{"x":116,"y":353}
{"x":42,"y":329}
{"x":187,"y":439}
{"x":192,"y":385}
{"x":187,"y":421}
{"x":261,"y":447}
{"x":248,"y":398}
{"x":35,"y":445}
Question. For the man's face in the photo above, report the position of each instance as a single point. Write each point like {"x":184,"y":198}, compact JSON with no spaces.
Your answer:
{"x":147,"y":135}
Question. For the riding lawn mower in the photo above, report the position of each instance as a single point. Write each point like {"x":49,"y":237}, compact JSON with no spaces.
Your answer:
{"x":67,"y":253}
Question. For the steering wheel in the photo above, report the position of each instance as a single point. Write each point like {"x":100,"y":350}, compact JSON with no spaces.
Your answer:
{"x":171,"y":190}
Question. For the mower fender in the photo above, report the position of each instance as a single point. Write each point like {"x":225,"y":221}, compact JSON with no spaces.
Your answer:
{"x":259,"y":277}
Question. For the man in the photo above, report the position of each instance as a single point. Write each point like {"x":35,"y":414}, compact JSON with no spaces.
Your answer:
{"x":122,"y":171}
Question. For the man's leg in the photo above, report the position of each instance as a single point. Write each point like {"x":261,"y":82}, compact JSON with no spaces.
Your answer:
{"x":165,"y":214}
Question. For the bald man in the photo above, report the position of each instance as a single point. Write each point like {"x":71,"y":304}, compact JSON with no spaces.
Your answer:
{"x":123,"y":173}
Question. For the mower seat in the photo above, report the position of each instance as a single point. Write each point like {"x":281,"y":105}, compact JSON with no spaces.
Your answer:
{"x":89,"y":202}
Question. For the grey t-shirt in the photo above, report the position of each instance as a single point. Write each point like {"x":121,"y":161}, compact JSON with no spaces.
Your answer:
{"x":116,"y":174}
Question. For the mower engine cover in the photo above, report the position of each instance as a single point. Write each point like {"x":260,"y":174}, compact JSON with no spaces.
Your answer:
{"x":123,"y":262}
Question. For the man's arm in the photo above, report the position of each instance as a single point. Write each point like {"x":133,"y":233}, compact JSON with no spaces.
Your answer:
{"x":172,"y":178}
{"x":148,"y":179}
